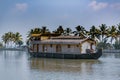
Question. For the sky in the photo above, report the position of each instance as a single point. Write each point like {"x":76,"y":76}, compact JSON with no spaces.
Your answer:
{"x":23,"y":15}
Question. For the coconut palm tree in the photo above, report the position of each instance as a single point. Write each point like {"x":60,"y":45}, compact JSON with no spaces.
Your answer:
{"x":94,"y":33}
{"x":1,"y":45}
{"x":59,"y":30}
{"x":80,"y":31}
{"x":67,"y":32}
{"x":44,"y":30}
{"x":29,"y":33}
{"x":33,"y":31}
{"x":17,"y":37}
{"x":118,"y":28}
{"x":19,"y":42}
{"x":117,"y":45}
{"x":36,"y":31}
{"x":5,"y":38}
{"x":118,"y":32}
{"x":103,"y":31}
{"x":104,"y":44}
{"x":117,"y":41}
{"x":11,"y":38}
{"x":113,"y":33}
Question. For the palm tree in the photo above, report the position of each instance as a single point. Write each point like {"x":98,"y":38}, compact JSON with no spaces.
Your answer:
{"x":67,"y":32}
{"x":1,"y":45}
{"x":118,"y":32}
{"x":11,"y":38}
{"x":17,"y":37}
{"x":44,"y":30}
{"x":29,"y":33}
{"x":33,"y":31}
{"x":94,"y":33}
{"x":104,"y":44}
{"x":117,"y":45}
{"x":112,"y":33}
{"x":80,"y":31}
{"x":36,"y":31}
{"x":5,"y":38}
{"x":59,"y":30}
{"x":19,"y":42}
{"x":103,"y":31}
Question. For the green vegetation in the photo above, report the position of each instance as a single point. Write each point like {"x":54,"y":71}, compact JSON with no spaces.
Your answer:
{"x":107,"y":37}
{"x":1,"y":45}
{"x":11,"y":39}
{"x":117,"y":45}
{"x":80,"y":31}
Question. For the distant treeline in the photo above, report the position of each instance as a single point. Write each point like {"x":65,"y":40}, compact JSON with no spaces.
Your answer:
{"x":106,"y":36}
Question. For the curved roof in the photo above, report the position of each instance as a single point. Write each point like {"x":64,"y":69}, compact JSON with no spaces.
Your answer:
{"x":64,"y":41}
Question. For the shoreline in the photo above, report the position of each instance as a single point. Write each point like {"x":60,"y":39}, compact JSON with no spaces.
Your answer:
{"x":13,"y":49}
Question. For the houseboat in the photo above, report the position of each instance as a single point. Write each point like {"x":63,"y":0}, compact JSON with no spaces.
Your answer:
{"x":63,"y":47}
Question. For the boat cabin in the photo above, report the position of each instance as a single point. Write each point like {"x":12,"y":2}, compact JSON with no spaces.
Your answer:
{"x":61,"y":44}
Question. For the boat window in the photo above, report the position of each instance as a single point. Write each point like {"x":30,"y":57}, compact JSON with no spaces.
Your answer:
{"x":58,"y":48}
{"x":44,"y":48}
{"x":69,"y":46}
{"x":37,"y":47}
{"x":50,"y":45}
{"x":77,"y":45}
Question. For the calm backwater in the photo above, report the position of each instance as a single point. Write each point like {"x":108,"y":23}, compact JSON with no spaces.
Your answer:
{"x":17,"y":65}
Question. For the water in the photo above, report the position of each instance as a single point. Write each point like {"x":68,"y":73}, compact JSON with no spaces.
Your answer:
{"x":17,"y":65}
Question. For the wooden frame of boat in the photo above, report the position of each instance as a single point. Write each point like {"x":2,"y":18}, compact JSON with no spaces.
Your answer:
{"x":87,"y":55}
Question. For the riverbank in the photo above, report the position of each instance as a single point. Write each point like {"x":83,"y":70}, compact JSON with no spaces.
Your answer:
{"x":13,"y":49}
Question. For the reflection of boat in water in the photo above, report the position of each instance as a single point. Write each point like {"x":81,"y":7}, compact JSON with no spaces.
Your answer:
{"x":66,"y":65}
{"x":63,"y":47}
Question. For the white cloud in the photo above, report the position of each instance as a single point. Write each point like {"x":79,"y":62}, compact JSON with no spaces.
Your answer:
{"x":21,"y":6}
{"x":98,"y":5}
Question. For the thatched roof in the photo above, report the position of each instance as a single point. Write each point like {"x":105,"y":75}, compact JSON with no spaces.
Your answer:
{"x":65,"y":40}
{"x":68,"y":37}
{"x":45,"y":34}
{"x":35,"y":35}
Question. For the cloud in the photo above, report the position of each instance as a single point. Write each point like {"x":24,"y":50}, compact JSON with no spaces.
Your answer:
{"x":115,"y":5}
{"x":21,"y":6}
{"x":98,"y":5}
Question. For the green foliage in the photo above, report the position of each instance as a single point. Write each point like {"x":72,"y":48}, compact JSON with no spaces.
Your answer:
{"x":117,"y":45}
{"x":104,"y":45}
{"x":94,"y":33}
{"x":1,"y":45}
{"x":42,"y":30}
{"x":80,"y":31}
{"x":112,"y":33}
{"x":67,"y":32}
{"x":19,"y":43}
{"x":103,"y":31}
{"x":11,"y":38}
{"x":59,"y":30}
